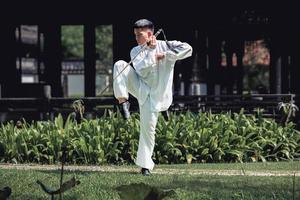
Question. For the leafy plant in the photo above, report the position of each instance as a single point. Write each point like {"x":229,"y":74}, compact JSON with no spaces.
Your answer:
{"x":289,"y":110}
{"x":79,"y":108}
{"x":184,"y":138}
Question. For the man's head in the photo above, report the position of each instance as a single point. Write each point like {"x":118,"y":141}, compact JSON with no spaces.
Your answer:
{"x":143,"y":30}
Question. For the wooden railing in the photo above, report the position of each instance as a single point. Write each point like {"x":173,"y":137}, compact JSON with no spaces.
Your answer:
{"x":47,"y":108}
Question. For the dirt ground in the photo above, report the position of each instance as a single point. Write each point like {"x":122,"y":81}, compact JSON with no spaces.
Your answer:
{"x":133,"y":169}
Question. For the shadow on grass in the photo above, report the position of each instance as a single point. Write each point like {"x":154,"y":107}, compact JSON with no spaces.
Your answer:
{"x":254,"y":187}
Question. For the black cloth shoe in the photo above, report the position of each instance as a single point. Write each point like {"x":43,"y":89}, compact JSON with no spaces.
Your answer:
{"x":166,"y":115}
{"x":145,"y":172}
{"x":124,"y":109}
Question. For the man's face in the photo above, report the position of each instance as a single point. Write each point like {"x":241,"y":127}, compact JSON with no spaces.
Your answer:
{"x":142,"y":35}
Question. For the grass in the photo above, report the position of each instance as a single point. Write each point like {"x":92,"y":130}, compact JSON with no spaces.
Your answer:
{"x":102,"y":185}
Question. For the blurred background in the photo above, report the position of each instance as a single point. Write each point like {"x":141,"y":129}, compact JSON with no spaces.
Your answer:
{"x":68,"y":50}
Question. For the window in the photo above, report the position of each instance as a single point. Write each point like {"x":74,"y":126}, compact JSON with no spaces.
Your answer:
{"x":72,"y":63}
{"x":256,"y":63}
{"x":104,"y":59}
{"x":30,"y":42}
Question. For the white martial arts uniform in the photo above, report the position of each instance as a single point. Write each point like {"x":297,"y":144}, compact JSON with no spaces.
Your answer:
{"x":151,"y":83}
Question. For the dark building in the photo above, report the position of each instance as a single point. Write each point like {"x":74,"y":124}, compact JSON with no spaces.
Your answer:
{"x":217,"y":31}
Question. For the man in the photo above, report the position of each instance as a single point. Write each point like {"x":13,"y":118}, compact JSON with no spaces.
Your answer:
{"x":150,"y":82}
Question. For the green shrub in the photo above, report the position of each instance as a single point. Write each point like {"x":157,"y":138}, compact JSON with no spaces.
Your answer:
{"x":202,"y":137}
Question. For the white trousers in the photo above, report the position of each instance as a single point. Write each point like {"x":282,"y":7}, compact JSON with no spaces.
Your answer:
{"x":128,"y":82}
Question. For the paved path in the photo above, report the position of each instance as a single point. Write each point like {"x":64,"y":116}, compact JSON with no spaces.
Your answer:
{"x":132,"y":169}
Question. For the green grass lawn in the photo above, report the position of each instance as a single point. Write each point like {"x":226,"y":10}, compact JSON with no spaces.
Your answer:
{"x":102,"y":185}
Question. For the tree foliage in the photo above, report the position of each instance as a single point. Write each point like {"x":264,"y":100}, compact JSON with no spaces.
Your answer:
{"x":73,"y":43}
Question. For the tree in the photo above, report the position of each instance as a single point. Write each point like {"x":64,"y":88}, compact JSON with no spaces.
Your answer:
{"x":72,"y":43}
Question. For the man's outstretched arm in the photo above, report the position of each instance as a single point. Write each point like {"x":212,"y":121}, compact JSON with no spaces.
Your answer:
{"x":178,"y":50}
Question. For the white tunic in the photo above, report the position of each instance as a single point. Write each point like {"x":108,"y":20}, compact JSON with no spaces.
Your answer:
{"x":156,"y":77}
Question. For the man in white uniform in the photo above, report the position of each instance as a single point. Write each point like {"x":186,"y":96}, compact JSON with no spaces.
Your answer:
{"x":150,"y":81}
